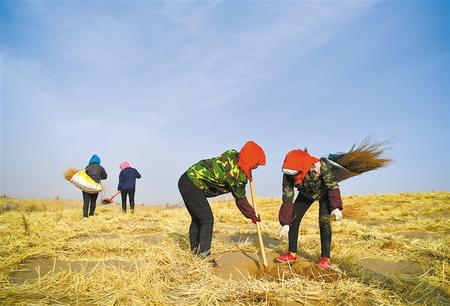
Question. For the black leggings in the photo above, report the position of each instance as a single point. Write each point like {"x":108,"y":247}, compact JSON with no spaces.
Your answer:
{"x":89,"y":199}
{"x":201,"y":229}
{"x":301,"y":205}
{"x":130,"y":193}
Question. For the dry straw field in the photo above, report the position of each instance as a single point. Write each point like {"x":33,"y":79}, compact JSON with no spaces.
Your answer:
{"x":389,"y":250}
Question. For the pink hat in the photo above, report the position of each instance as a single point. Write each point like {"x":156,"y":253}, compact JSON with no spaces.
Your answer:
{"x":124,"y":165}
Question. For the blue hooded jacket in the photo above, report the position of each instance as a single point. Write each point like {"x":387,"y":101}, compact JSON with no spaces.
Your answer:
{"x":94,"y":170}
{"x":94,"y":160}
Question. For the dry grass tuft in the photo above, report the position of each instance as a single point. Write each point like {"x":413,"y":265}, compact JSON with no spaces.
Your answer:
{"x":26,"y":226}
{"x":367,"y":156}
{"x":326,"y":220}
{"x":357,"y":212}
{"x":69,"y":173}
{"x":391,"y":245}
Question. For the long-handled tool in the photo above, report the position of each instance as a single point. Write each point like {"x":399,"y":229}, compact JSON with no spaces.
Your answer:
{"x":110,"y":200}
{"x":258,"y":229}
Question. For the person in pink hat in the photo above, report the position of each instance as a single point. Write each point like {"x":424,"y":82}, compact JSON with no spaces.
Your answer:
{"x":127,"y":184}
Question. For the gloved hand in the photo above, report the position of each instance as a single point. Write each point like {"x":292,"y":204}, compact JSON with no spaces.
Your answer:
{"x":284,"y":230}
{"x":337,"y":214}
{"x":256,"y":219}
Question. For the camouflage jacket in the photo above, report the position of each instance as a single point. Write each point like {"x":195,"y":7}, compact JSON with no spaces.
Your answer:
{"x":313,"y":186}
{"x":219,"y":175}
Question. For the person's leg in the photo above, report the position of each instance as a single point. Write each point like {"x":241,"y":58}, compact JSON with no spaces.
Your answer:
{"x":206,"y":218}
{"x":131,"y":193}
{"x":325,"y":226}
{"x":301,"y":206}
{"x":194,"y":231}
{"x":123,"y":194}
{"x":199,"y":208}
{"x":93,"y":203}
{"x":86,"y":200}
{"x":185,"y":188}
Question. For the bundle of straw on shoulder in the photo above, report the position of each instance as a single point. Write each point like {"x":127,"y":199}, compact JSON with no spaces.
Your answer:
{"x":69,"y":173}
{"x":367,"y":156}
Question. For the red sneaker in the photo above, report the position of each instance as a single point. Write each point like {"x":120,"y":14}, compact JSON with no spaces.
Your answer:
{"x":286,"y":257}
{"x":324,"y":263}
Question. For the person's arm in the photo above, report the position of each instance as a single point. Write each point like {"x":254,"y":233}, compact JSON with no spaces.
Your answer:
{"x":121,"y":179}
{"x":334,"y":193}
{"x":242,"y":203}
{"x":288,"y":188}
{"x":138,"y":175}
{"x":103,"y":174}
{"x":287,"y":208}
{"x":335,"y":199}
{"x":245,"y":208}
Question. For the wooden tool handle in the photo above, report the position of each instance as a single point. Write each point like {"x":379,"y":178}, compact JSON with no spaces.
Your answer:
{"x":258,"y":228}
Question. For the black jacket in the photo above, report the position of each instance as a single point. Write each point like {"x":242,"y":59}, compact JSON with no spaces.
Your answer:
{"x":96,"y":172}
{"x":127,"y":179}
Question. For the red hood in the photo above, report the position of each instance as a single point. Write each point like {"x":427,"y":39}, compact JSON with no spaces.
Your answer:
{"x":251,"y":156}
{"x":301,"y":161}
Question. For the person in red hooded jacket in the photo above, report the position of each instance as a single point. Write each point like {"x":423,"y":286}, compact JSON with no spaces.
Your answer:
{"x":315,"y":181}
{"x":226,"y":173}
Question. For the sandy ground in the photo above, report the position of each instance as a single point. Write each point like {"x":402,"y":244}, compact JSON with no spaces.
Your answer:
{"x":235,"y":265}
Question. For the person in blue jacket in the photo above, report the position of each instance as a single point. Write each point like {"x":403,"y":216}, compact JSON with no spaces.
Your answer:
{"x":127,"y":185}
{"x":97,"y":173}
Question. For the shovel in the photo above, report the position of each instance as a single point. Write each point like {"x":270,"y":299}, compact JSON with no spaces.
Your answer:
{"x":258,"y":229}
{"x":110,"y":200}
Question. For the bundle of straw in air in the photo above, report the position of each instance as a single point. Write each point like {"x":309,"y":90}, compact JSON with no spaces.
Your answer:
{"x":69,"y":173}
{"x":367,"y":156}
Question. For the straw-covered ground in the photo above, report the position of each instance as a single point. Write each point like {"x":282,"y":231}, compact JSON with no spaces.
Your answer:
{"x":389,"y":250}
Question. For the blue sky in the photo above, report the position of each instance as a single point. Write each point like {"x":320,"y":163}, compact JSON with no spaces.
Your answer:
{"x":165,"y":84}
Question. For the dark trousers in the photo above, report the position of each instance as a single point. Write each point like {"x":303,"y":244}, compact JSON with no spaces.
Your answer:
{"x":89,"y":203}
{"x":130,"y":193}
{"x":201,"y":228}
{"x":301,"y":205}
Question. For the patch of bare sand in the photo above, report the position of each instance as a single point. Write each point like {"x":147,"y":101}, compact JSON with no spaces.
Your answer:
{"x":34,"y":269}
{"x":150,"y":238}
{"x":383,"y":267}
{"x":421,"y":235}
{"x":241,"y":265}
{"x":253,"y":239}
{"x":439,"y":214}
{"x":375,"y":222}
{"x":94,"y":237}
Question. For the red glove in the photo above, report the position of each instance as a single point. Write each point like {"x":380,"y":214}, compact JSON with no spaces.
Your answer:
{"x":256,"y":219}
